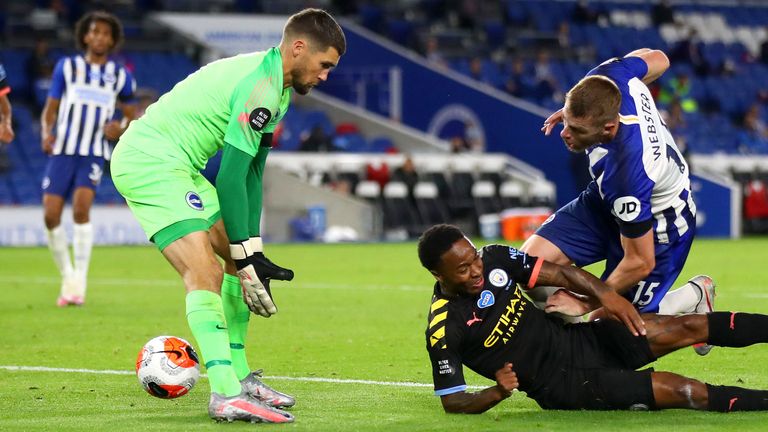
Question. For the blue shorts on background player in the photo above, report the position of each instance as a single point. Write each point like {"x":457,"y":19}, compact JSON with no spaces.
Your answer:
{"x":637,"y":213}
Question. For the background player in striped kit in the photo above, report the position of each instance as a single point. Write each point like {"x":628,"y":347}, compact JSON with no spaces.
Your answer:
{"x":77,"y":122}
{"x":638,"y":213}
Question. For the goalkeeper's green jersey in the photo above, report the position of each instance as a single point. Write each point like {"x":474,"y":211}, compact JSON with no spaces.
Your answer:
{"x":233,"y":100}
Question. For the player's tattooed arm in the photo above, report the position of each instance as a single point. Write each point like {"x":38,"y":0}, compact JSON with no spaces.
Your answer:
{"x":581,"y":282}
{"x":482,"y":401}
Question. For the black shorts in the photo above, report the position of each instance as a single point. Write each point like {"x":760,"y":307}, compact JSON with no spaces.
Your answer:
{"x":598,"y":370}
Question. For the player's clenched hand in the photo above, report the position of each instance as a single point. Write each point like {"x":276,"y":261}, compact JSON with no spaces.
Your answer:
{"x":506,"y":379}
{"x":112,"y":130}
{"x":552,"y":121}
{"x":6,"y":133}
{"x":256,"y":295}
{"x":623,"y":310}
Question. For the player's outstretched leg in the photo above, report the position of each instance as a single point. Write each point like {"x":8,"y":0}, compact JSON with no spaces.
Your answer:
{"x":676,"y":391}
{"x":666,"y":334}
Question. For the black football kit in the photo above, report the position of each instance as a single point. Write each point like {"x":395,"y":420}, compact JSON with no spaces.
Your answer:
{"x":561,"y":366}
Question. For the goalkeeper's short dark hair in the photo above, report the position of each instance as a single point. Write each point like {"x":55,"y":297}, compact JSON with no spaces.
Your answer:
{"x":318,"y":25}
{"x":436,"y":241}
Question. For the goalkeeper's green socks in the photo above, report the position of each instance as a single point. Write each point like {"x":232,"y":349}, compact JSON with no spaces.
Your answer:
{"x":205,"y":315}
{"x":238,"y":315}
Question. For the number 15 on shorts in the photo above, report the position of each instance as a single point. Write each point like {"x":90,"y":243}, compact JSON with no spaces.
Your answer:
{"x":644,"y":294}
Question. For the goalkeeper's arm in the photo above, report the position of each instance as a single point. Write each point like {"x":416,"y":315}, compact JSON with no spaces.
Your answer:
{"x":265,"y":268}
{"x":232,"y":192}
{"x":233,"y":200}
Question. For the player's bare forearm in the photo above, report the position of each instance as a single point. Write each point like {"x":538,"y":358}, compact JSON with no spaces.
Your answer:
{"x":5,"y":110}
{"x":6,"y":127}
{"x":129,"y":114}
{"x":638,"y":262}
{"x":114,"y":129}
{"x":47,"y":122}
{"x":474,"y":403}
{"x":49,"y":115}
{"x":573,"y":279}
{"x":581,"y":282}
{"x":626,"y":275}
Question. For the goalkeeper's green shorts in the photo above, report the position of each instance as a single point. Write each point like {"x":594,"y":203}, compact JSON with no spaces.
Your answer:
{"x":169,"y":198}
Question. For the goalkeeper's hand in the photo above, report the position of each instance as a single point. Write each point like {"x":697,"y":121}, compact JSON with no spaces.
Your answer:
{"x":255,"y":293}
{"x":264,"y":267}
{"x":269,"y":270}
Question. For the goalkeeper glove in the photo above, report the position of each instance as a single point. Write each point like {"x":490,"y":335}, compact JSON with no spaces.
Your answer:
{"x":255,"y":293}
{"x":264,"y":266}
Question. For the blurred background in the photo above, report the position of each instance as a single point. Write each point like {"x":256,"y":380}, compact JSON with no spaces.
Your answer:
{"x":433,"y":115}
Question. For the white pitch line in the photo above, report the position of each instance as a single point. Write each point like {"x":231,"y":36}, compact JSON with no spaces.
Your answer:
{"x":278,"y":378}
{"x":177,"y":283}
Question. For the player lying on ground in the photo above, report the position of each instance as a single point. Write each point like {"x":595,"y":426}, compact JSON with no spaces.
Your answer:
{"x":480,"y":318}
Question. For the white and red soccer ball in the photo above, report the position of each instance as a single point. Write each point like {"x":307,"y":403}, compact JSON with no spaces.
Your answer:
{"x":167,"y":367}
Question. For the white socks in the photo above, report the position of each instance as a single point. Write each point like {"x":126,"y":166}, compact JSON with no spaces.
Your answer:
{"x":82,"y":244}
{"x":74,"y":278}
{"x":57,"y":243}
{"x":681,"y":300}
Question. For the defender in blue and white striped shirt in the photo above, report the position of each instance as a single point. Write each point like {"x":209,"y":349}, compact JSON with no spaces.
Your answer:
{"x":637,"y":213}
{"x":77,"y":121}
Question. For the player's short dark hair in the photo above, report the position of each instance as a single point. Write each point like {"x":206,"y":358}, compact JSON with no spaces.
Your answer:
{"x":595,"y":97}
{"x":319,"y":26}
{"x":84,"y":24}
{"x":436,"y":241}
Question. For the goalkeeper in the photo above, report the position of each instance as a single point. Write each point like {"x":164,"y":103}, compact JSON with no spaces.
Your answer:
{"x":232,"y":104}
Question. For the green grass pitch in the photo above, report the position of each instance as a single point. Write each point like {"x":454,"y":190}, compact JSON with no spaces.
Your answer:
{"x":354,"y":312}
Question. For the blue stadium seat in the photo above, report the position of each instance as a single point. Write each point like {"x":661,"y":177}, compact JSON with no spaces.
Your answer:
{"x":400,"y":31}
{"x":495,"y":33}
{"x":352,"y":142}
{"x":380,"y":144}
{"x":318,"y":118}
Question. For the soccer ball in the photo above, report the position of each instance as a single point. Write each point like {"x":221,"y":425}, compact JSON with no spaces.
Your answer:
{"x":167,"y":367}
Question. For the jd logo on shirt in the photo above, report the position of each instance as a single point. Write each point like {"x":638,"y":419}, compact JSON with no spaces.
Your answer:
{"x":259,"y":118}
{"x":627,"y":208}
{"x":486,"y":299}
{"x":194,"y":201}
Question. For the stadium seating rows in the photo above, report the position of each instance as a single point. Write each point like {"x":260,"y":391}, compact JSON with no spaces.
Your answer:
{"x":729,"y":36}
{"x":21,"y":184}
{"x":439,"y":196}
